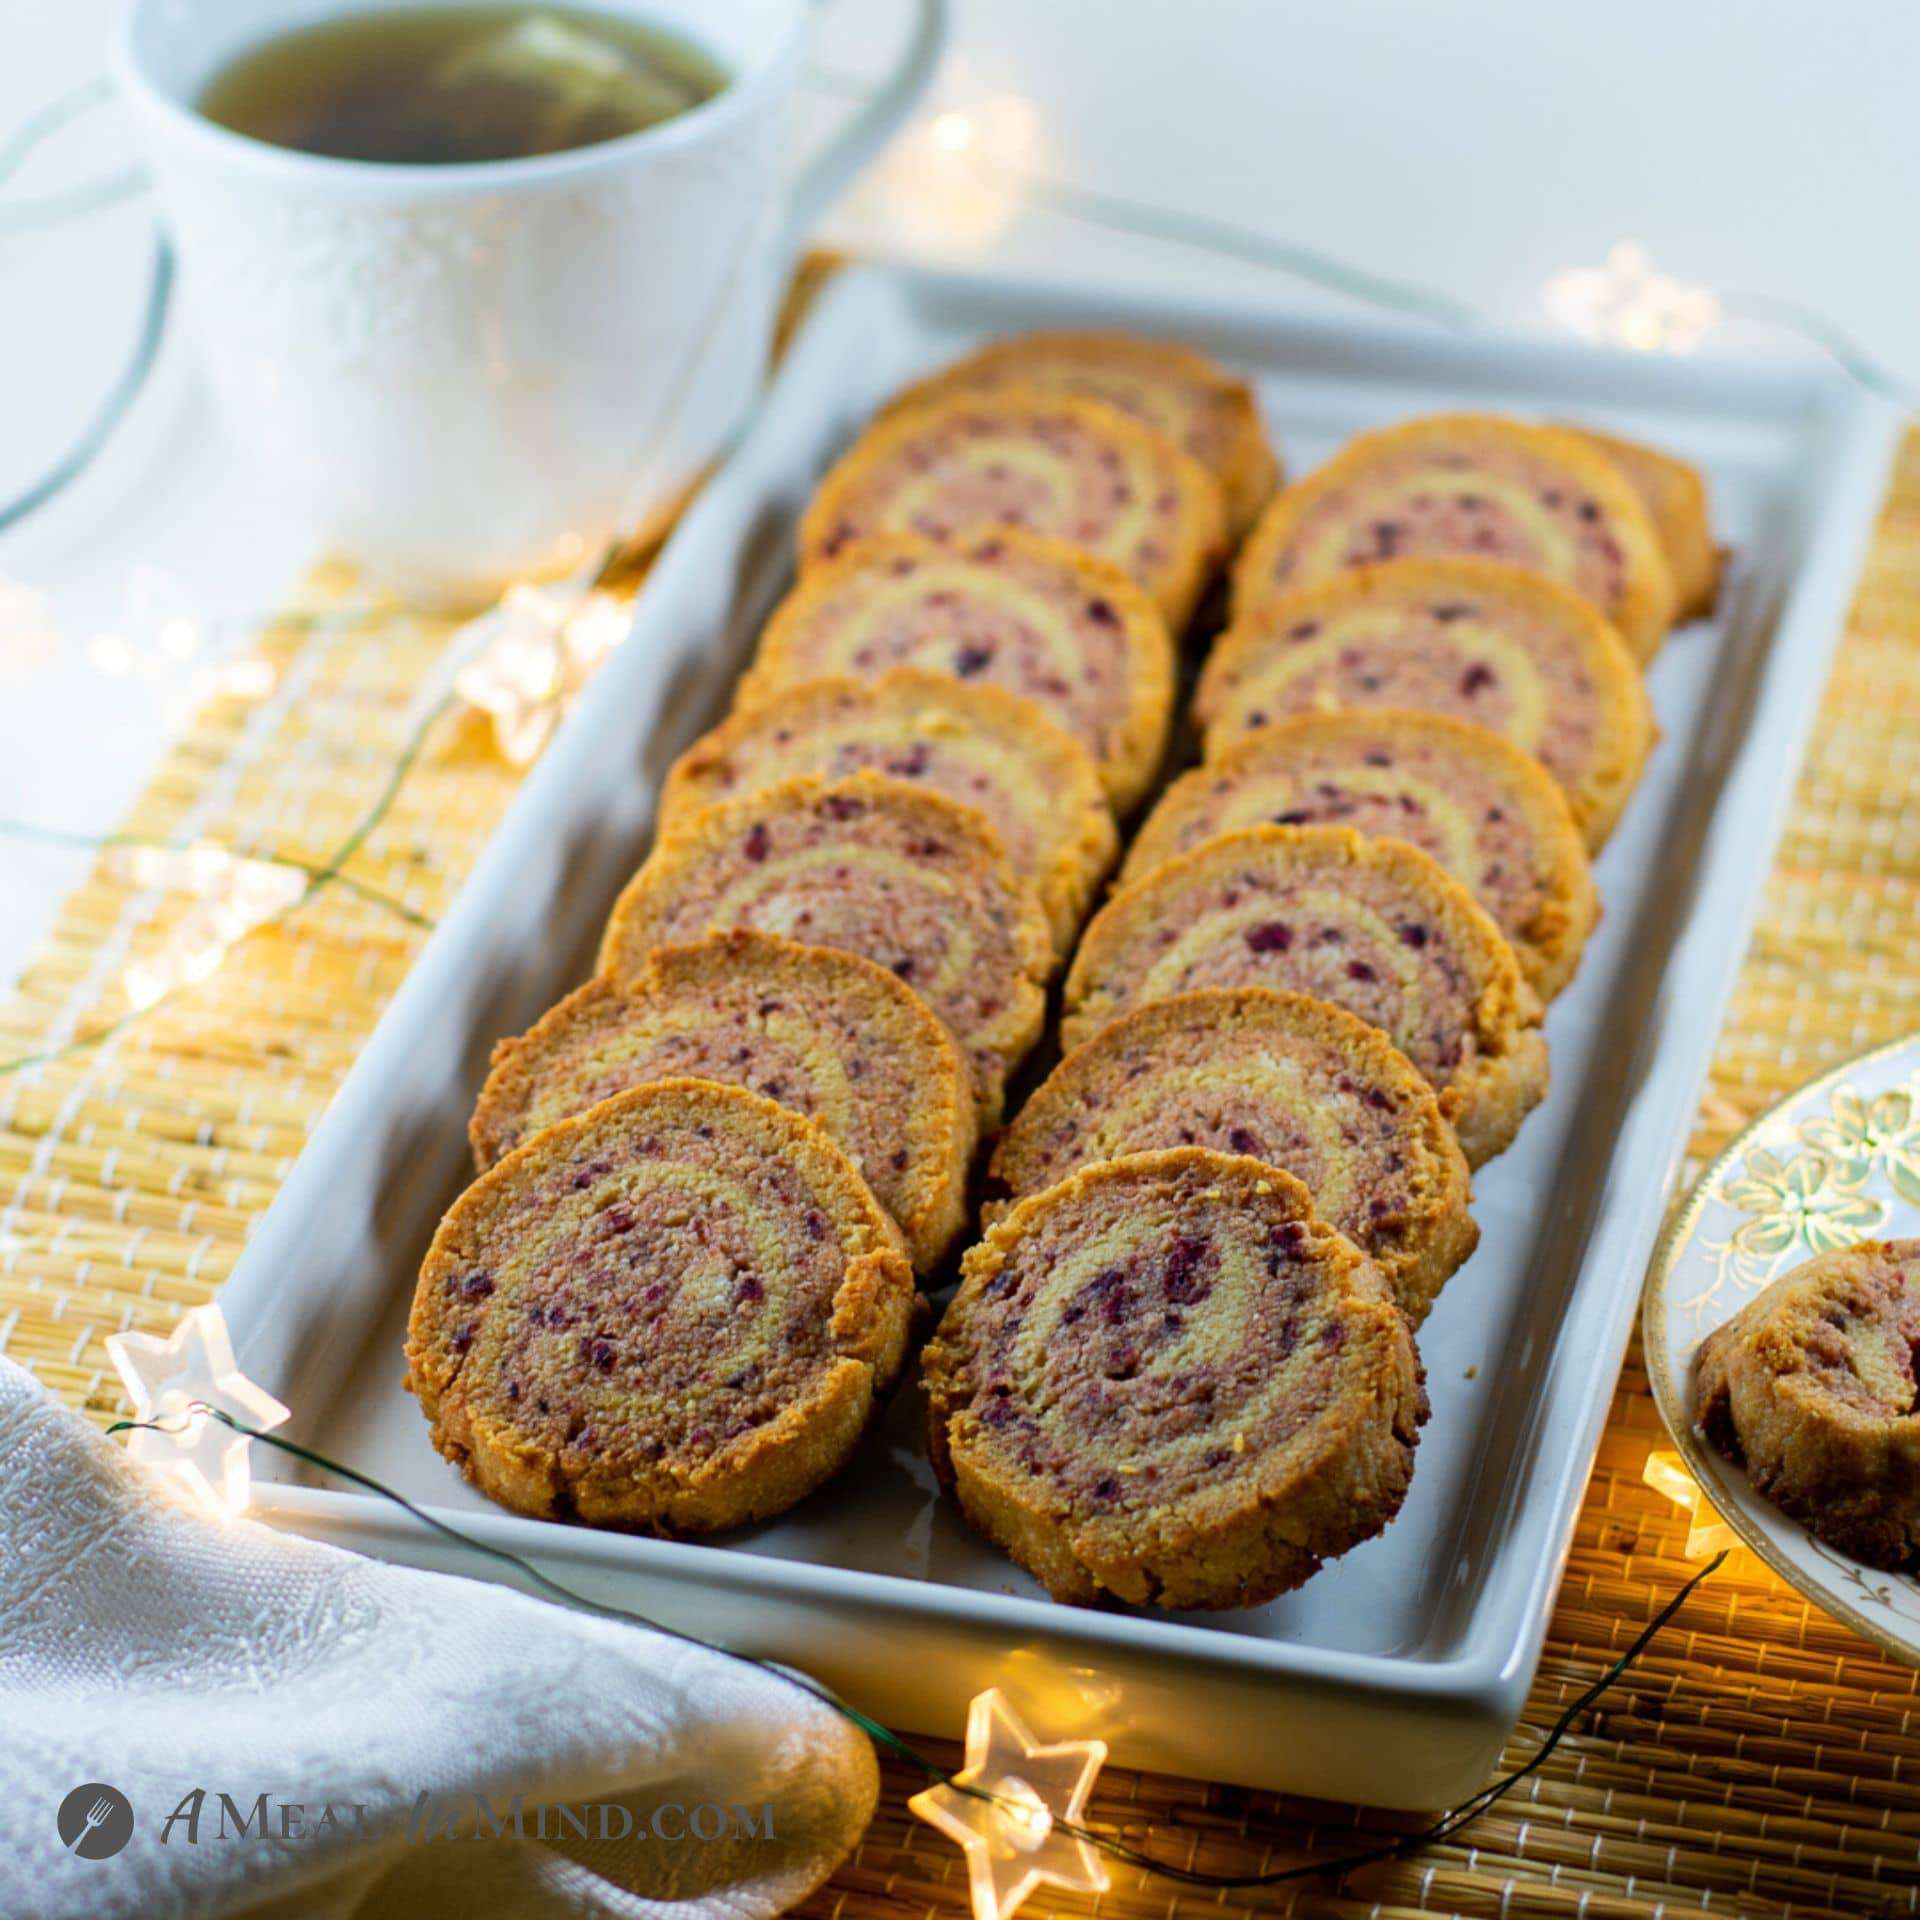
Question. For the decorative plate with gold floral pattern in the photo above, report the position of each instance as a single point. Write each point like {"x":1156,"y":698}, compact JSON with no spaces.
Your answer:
{"x":1835,"y":1163}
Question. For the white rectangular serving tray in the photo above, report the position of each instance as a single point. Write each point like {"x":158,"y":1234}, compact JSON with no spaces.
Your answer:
{"x":1395,"y":1675}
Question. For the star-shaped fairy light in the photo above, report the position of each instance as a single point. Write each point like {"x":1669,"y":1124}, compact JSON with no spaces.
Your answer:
{"x":159,"y":636}
{"x":233,"y":895}
{"x":1707,"y":1533}
{"x":1012,"y":1842}
{"x":521,"y":661}
{"x":1630,"y":303}
{"x":175,"y":1381}
{"x":942,"y":181}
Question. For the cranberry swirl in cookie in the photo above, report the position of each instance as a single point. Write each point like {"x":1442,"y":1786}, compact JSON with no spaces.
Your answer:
{"x":825,"y":1033}
{"x":1374,"y":926}
{"x":1028,"y":458}
{"x":875,"y":866}
{"x":1470,"y":639}
{"x":1164,"y":1381}
{"x":1476,"y":486}
{"x":977,"y":744}
{"x":1298,"y":1083}
{"x":675,"y":1311}
{"x":1183,"y":394}
{"x":1032,"y":617}
{"x":1490,"y":814}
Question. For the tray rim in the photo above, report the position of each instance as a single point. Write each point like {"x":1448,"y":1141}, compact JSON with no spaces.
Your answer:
{"x":1669,"y":1394}
{"x":1491,"y":1663}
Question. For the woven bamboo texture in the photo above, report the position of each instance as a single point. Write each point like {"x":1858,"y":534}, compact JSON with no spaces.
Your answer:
{"x":1760,"y":1760}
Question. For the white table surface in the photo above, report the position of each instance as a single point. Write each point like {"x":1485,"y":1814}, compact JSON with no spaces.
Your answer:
{"x":1476,"y":148}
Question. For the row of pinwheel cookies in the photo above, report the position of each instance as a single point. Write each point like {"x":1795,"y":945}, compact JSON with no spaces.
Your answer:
{"x":685,"y":1276}
{"x":1181,"y":1368}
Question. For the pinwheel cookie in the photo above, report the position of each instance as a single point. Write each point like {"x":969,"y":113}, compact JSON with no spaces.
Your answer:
{"x":1490,"y":814}
{"x":1183,"y":394}
{"x":1493,"y":644}
{"x":1024,"y":457}
{"x":979,"y":745}
{"x":872,"y":865}
{"x":1033,"y":617}
{"x":1298,"y":1083}
{"x":1374,"y":926}
{"x":1476,"y":486}
{"x":1812,"y":1386}
{"x":825,"y":1033}
{"x":1675,"y":494}
{"x":675,"y":1311}
{"x":1165,"y":1381}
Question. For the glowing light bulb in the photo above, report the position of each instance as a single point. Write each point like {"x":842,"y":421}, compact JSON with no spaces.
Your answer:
{"x":156,"y":632}
{"x":941,"y":183}
{"x":175,"y":1381}
{"x":529,"y":655}
{"x":595,"y":627}
{"x":159,"y":637}
{"x":1012,"y":1841}
{"x":29,"y":636}
{"x":236,"y":895}
{"x":1628,"y":303}
{"x":1667,"y":1473}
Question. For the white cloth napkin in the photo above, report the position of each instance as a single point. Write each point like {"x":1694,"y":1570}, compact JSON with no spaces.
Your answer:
{"x":156,"y":1650}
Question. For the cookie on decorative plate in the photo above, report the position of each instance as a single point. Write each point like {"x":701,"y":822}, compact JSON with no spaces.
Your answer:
{"x":1811,"y":1386}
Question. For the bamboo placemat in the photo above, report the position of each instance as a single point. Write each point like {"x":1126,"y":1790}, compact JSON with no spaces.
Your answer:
{"x":1760,"y":1760}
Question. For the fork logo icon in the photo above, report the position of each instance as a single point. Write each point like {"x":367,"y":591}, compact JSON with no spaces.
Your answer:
{"x":95,"y":1821}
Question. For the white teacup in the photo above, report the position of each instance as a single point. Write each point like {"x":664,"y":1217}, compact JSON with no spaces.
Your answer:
{"x":466,"y":373}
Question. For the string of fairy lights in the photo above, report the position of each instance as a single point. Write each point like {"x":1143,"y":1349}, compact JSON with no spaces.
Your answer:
{"x":1017,"y":1806}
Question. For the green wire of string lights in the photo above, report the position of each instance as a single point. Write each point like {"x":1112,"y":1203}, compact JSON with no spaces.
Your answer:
{"x":328,"y":873}
{"x":1442,"y":1829}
